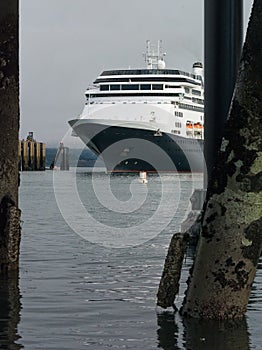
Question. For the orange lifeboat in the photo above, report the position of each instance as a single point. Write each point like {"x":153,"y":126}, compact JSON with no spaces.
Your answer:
{"x":198,"y":126}
{"x":189,"y":125}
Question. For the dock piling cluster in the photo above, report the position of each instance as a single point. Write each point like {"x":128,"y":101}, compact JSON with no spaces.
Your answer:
{"x":32,"y":154}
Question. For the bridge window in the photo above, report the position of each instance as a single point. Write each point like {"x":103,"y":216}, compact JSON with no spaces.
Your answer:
{"x":196,"y":92}
{"x":130,"y":87}
{"x":157,"y":86}
{"x":104,"y":87}
{"x":145,"y":87}
{"x":115,"y":87}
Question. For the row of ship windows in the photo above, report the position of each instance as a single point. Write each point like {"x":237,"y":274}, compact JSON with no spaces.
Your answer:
{"x":194,"y":99}
{"x":177,"y":114}
{"x":189,"y":133}
{"x":134,"y":94}
{"x":125,"y":87}
{"x":191,"y":107}
{"x":125,"y":102}
{"x":197,"y":100}
{"x":187,"y":141}
{"x":181,"y":105}
{"x":131,"y":87}
{"x":194,"y":92}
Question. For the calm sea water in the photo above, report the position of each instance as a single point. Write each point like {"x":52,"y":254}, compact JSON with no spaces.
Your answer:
{"x":99,"y":292}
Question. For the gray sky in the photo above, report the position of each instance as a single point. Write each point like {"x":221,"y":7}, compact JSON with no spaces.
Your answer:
{"x":65,"y":44}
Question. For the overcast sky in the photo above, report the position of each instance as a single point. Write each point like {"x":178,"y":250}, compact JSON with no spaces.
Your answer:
{"x":65,"y":44}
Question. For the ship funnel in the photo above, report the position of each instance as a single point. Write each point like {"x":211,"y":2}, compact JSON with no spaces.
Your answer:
{"x":198,"y":69}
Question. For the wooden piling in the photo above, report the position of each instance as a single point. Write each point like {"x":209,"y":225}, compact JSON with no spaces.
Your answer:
{"x":169,"y":283}
{"x":37,"y":155}
{"x":9,"y":126}
{"x":32,"y":154}
{"x":31,"y":151}
{"x":42,"y":155}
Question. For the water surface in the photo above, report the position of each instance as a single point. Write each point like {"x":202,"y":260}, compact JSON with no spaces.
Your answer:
{"x":74,"y":294}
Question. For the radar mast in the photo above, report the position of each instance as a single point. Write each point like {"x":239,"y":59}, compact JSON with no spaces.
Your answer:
{"x":154,"y":56}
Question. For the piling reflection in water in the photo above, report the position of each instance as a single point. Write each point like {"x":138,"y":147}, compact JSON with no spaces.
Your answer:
{"x":176,"y":333}
{"x":201,"y":334}
{"x":10,"y":307}
{"x":167,"y":334}
{"x":206,"y":335}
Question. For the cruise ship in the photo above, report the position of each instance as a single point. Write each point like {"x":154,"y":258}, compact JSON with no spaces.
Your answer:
{"x":149,"y":119}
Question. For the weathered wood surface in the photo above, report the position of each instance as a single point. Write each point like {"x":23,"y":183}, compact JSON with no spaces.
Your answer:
{"x":169,"y":283}
{"x":9,"y":126}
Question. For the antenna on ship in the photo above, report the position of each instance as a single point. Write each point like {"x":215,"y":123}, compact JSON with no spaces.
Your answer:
{"x":154,"y":58}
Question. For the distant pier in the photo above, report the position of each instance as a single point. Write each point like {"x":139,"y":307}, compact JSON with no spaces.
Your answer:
{"x":64,"y":163}
{"x":32,"y":154}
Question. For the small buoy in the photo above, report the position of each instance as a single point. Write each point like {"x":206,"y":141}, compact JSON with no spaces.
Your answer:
{"x":142,"y":177}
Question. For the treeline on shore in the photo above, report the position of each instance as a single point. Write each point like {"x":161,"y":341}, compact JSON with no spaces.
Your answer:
{"x":80,"y":158}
